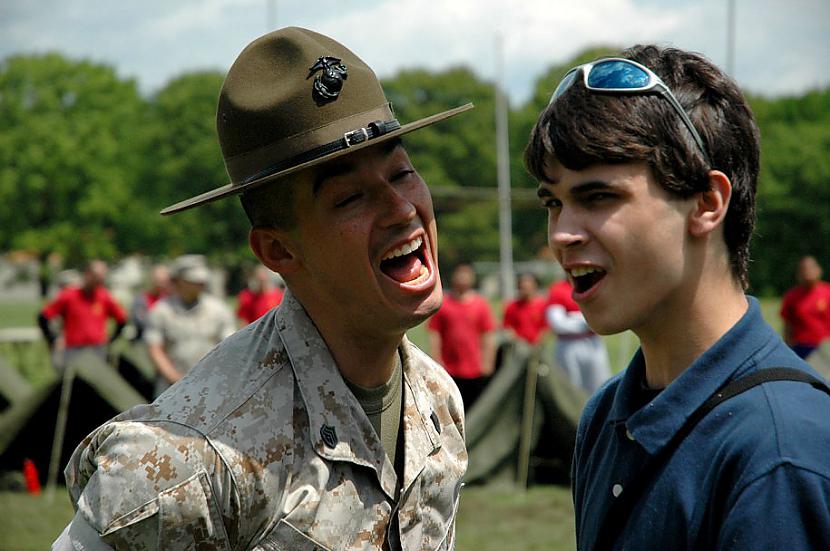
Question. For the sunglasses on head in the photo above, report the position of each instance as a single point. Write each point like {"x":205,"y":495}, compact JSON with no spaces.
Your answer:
{"x":614,"y":75}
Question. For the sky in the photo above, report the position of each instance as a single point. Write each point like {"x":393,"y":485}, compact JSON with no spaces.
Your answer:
{"x":781,"y":46}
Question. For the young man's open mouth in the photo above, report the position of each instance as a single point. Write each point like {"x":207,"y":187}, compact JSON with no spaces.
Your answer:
{"x":408,"y":264}
{"x":585,"y":279}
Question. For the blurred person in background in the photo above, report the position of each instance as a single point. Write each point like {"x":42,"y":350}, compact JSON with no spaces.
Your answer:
{"x":524,"y":317}
{"x":184,"y":326}
{"x":461,"y":335}
{"x":145,"y":300}
{"x":261,"y":295}
{"x":319,"y":425}
{"x":84,"y":310}
{"x":580,"y":352}
{"x":651,"y":206}
{"x":805,"y":309}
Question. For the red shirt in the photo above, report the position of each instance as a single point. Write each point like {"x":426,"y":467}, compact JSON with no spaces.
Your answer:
{"x":85,"y":315}
{"x":560,"y":293}
{"x":461,"y":324}
{"x":807,"y":311}
{"x":526,"y":318}
{"x":253,"y":306}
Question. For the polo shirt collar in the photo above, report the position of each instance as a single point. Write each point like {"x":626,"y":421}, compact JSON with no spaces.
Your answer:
{"x":654,"y":424}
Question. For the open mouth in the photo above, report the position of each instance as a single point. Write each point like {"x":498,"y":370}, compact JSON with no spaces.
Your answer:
{"x":407,"y":264}
{"x":585,"y":278}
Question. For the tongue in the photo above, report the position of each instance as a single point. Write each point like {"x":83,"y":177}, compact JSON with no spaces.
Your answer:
{"x":403,"y":268}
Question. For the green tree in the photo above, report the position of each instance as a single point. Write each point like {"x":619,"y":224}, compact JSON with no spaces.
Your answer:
{"x":68,"y":156}
{"x":187,"y":162}
{"x":793,"y":189}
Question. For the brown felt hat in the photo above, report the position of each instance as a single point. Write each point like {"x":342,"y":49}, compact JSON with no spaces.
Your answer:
{"x":294,"y":99}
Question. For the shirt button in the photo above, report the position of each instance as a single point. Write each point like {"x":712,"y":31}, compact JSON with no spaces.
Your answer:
{"x":629,"y":435}
{"x":617,"y":490}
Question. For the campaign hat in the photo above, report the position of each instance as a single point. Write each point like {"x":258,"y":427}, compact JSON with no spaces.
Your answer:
{"x":192,"y":268}
{"x":294,"y":99}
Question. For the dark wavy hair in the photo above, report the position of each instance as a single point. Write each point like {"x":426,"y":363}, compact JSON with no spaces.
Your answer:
{"x":583,"y":128}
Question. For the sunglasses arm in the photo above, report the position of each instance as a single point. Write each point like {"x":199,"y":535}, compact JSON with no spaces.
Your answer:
{"x":687,"y":121}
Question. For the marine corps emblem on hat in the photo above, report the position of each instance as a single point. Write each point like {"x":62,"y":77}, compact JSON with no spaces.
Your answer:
{"x":273,"y":119}
{"x":329,"y":82}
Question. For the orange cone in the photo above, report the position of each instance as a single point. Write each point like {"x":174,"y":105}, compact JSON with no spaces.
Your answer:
{"x":31,"y":476}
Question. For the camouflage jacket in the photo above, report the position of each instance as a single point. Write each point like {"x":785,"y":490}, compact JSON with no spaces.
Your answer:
{"x":262,"y":446}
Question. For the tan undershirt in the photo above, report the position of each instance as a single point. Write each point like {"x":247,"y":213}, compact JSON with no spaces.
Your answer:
{"x":383,"y":407}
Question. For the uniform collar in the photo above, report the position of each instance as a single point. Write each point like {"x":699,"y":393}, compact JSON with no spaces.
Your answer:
{"x":339,"y":430}
{"x":735,"y":353}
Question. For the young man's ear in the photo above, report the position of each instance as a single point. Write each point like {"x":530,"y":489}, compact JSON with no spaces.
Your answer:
{"x":711,"y":206}
{"x":274,"y":248}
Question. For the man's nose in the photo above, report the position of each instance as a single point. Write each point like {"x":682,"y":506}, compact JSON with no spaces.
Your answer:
{"x":566,"y":231}
{"x":398,"y":207}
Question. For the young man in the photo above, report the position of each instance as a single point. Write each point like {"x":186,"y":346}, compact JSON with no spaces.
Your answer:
{"x":805,"y":309}
{"x":185,"y":325}
{"x":650,"y":215}
{"x":84,"y":311}
{"x":524,"y":317}
{"x":461,"y":335}
{"x":319,"y":426}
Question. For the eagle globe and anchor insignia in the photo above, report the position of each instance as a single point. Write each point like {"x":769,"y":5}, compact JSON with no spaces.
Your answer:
{"x":329,"y":82}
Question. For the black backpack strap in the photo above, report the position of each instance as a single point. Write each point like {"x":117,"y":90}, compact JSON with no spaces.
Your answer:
{"x":617,"y":515}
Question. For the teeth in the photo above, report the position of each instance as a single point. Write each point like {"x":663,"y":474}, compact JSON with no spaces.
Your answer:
{"x":405,"y":249}
{"x":583,"y":270}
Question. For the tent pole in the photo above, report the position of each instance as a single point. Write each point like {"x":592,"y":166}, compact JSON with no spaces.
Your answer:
{"x":60,"y":429}
{"x":528,"y":410}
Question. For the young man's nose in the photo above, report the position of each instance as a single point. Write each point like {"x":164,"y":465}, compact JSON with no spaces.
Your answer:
{"x":565,"y":231}
{"x":398,"y":207}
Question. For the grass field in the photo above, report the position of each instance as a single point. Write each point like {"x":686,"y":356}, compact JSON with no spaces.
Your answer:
{"x":489,"y":519}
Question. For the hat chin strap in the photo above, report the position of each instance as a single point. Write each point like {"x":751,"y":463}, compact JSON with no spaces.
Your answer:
{"x":353,"y":137}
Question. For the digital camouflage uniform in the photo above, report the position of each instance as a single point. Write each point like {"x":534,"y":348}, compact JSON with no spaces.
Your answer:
{"x":262,"y":446}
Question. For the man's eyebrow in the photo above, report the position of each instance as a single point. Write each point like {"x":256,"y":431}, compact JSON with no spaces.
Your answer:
{"x":542,"y":192}
{"x":343,"y":166}
{"x":588,"y":187}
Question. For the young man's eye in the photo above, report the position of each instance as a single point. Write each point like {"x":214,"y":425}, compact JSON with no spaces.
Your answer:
{"x":600,"y":196}
{"x":403,"y":174}
{"x":347,"y":200}
{"x":551,"y":204}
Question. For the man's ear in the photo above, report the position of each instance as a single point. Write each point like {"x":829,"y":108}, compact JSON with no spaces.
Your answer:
{"x":274,"y":248}
{"x":711,"y":206}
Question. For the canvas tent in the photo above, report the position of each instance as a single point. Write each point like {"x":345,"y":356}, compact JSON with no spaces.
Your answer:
{"x":13,"y":387}
{"x":15,"y":344}
{"x":523,"y":427}
{"x":27,"y":428}
{"x":136,"y":367}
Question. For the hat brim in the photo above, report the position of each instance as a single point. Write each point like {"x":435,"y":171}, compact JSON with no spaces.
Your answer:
{"x":232,"y":189}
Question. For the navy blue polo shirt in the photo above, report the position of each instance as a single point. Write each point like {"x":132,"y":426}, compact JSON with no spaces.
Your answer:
{"x":753,"y":474}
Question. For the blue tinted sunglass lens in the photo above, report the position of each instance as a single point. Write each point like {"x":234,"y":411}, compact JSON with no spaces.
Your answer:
{"x":617,"y":74}
{"x":564,"y":85}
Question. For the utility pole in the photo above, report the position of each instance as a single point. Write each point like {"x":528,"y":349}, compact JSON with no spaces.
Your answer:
{"x":730,"y":38}
{"x":503,"y":173}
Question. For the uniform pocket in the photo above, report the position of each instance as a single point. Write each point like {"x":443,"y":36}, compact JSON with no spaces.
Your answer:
{"x":285,"y":537}
{"x":184,"y":516}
